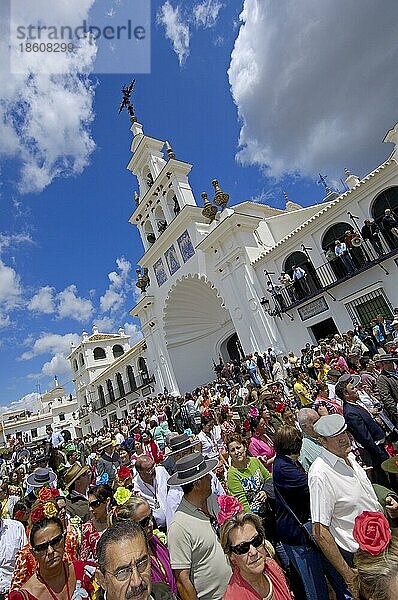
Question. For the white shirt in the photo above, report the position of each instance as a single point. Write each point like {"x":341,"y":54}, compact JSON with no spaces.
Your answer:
{"x":57,"y":439}
{"x":12,"y":539}
{"x":176,"y":494}
{"x":338,"y":494}
{"x":209,"y":445}
{"x":156,"y":494}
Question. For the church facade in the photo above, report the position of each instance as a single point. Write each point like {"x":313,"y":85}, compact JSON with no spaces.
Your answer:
{"x":211,"y":274}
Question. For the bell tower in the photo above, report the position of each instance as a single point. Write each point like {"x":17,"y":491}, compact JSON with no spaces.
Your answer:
{"x":163,"y":186}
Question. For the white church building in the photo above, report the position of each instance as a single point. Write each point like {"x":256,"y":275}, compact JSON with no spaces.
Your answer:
{"x":210,"y":273}
{"x":110,"y":377}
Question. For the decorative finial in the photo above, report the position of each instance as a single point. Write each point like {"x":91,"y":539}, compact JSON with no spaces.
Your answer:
{"x":136,"y":198}
{"x":220,"y":198}
{"x":322,"y":180}
{"x":286,"y":197}
{"x":347,"y":172}
{"x":209,"y":211}
{"x":169,"y":151}
{"x":143,"y":280}
{"x":126,"y":103}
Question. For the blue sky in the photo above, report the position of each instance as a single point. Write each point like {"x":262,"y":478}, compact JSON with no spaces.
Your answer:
{"x":261,"y":95}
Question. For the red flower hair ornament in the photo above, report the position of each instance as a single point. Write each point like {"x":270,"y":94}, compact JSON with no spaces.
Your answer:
{"x":37,"y":514}
{"x":229,"y":507}
{"x":124,"y":473}
{"x":46,"y":494}
{"x":372,"y":532}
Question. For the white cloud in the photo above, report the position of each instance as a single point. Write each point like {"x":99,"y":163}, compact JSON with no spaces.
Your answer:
{"x":105,"y":325}
{"x":45,"y":118}
{"x":58,"y":365}
{"x":134,"y":332}
{"x":116,"y":294}
{"x":51,"y":343}
{"x":70,"y":305}
{"x":315,"y":84}
{"x":7,"y":240}
{"x":29,"y":402}
{"x":206,"y":13}
{"x":177,"y":30}
{"x":43,"y":301}
{"x":10,"y":287}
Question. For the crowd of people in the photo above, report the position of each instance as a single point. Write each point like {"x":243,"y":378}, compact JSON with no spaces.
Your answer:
{"x":276,"y":480}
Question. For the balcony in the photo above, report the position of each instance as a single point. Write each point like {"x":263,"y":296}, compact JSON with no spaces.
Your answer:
{"x":112,"y":398}
{"x":324,"y":278}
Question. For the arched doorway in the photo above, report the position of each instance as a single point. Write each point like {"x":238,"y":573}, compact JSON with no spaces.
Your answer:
{"x":195,"y":323}
{"x":386,"y":199}
{"x":300,"y":259}
{"x":231,"y":349}
{"x":335,"y":232}
{"x":331,"y":235}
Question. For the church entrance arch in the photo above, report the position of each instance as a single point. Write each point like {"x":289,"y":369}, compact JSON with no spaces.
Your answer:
{"x":196,"y":323}
{"x":231,"y":349}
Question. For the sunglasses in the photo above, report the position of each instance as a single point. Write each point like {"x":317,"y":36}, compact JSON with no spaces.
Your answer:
{"x":244,"y":547}
{"x":95,"y":503}
{"x":145,"y":521}
{"x":53,"y":543}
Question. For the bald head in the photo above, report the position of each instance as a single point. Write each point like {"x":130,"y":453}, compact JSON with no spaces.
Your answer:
{"x":307,"y":417}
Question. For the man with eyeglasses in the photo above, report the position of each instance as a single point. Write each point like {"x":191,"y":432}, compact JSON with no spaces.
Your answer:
{"x":124,"y":566}
{"x":12,"y":539}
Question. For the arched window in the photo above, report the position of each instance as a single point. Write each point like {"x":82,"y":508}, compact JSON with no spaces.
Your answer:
{"x":160,"y":219}
{"x":143,"y":369}
{"x":120,"y":384}
{"x":117,"y":350}
{"x":131,"y":378}
{"x":81,"y":359}
{"x":300,"y":259}
{"x":148,"y":232}
{"x":111,"y":393}
{"x":386,"y":199}
{"x":101,"y":396}
{"x":335,"y":232}
{"x":99,"y":353}
{"x":75,"y":367}
{"x":172,"y":203}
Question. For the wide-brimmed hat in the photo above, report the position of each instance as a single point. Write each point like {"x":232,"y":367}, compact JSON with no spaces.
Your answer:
{"x":191,"y":468}
{"x":330,"y":425}
{"x":390,"y":465}
{"x":181,"y":442}
{"x":104,"y":444}
{"x":74,"y":473}
{"x":41,"y":477}
{"x":349,"y":378}
{"x":387,"y":358}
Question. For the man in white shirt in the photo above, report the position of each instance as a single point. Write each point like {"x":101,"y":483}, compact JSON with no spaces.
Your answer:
{"x":339,"y":491}
{"x":12,"y":539}
{"x":151,"y":483}
{"x":55,"y":437}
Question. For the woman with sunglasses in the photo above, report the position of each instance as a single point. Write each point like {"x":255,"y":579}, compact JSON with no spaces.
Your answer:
{"x":100,"y":498}
{"x":137,"y":509}
{"x":255,"y":572}
{"x":55,"y":578}
{"x":25,"y":560}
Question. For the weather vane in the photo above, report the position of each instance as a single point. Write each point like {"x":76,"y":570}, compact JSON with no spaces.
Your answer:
{"x":126,"y":103}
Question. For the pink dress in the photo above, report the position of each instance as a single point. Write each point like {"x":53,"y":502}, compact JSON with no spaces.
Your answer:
{"x":260,"y":448}
{"x":239,"y":589}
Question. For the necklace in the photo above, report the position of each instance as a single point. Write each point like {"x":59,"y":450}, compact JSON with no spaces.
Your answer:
{"x":156,"y":503}
{"x":270,"y":594}
{"x":40,"y":578}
